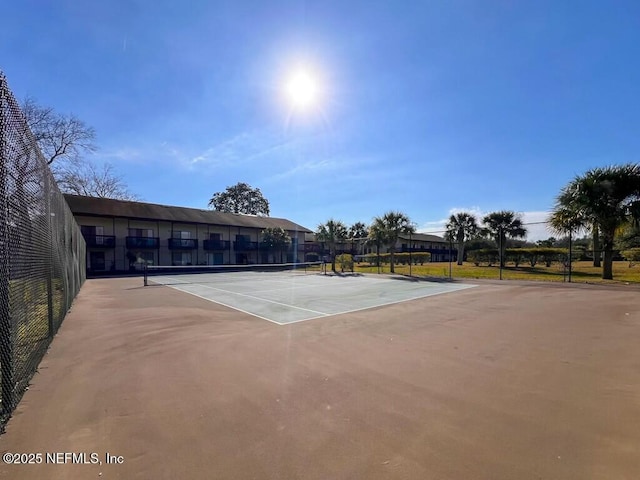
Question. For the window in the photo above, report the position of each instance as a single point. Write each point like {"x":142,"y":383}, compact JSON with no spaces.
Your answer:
{"x":91,"y":230}
{"x":214,"y":258}
{"x":214,"y":237}
{"x":96,"y":260}
{"x":146,"y":257}
{"x":94,"y":234}
{"x":141,"y":232}
{"x":181,"y":258}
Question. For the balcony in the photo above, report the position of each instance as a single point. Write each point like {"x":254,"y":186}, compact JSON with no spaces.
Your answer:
{"x":216,"y":244}
{"x":244,"y":246}
{"x":435,"y":249}
{"x":100,"y":241}
{"x":183,"y":243}
{"x":143,"y":242}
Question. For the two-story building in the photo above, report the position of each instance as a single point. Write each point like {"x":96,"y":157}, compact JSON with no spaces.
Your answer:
{"x":122,"y":234}
{"x":439,"y":248}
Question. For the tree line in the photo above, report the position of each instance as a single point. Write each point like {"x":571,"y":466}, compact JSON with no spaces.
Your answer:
{"x":604,"y":201}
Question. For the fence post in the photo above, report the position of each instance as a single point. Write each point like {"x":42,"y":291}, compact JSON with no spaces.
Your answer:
{"x":49,"y":257}
{"x":450,"y":242}
{"x":570,"y":256}
{"x":500,"y":250}
{"x":6,"y":330}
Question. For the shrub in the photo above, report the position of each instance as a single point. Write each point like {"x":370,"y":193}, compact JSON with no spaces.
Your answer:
{"x":345,"y":261}
{"x":632,"y":255}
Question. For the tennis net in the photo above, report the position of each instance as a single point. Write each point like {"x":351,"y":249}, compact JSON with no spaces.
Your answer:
{"x":172,"y":275}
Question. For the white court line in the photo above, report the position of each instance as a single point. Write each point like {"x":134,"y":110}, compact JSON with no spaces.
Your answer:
{"x":258,"y":298}
{"x":226,"y":305}
{"x":379,"y":305}
{"x":321,"y":314}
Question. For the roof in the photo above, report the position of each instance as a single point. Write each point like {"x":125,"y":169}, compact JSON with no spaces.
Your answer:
{"x":423,"y":237}
{"x":107,"y":207}
{"x":419,"y":237}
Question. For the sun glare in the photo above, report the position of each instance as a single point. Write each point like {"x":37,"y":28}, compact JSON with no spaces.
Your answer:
{"x":302,"y":90}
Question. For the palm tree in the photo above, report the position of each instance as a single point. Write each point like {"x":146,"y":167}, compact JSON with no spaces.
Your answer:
{"x":461,"y":227}
{"x":608,"y":197}
{"x":392,"y":225}
{"x":357,"y":233}
{"x":332,"y":232}
{"x":568,"y":221}
{"x":502,"y":225}
{"x":377,"y":236}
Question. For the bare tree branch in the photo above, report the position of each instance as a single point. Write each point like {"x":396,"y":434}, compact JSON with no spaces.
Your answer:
{"x":64,"y":140}
{"x":92,"y":181}
{"x":60,"y":137}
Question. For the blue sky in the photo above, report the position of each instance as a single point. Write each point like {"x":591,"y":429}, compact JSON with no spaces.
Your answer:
{"x":428,"y":107}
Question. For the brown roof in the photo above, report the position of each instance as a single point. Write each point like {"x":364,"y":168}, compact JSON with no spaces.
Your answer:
{"x":423,"y":237}
{"x":106,"y":207}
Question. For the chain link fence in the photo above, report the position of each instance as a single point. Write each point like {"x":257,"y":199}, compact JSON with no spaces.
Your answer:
{"x":42,"y":254}
{"x":539,"y":255}
{"x":536,"y":254}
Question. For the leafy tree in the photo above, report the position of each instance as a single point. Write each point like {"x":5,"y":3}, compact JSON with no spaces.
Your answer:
{"x":357,"y":234}
{"x":332,"y":232}
{"x":275,"y":239}
{"x":461,"y":227}
{"x":377,"y":236}
{"x":549,"y":242}
{"x":392,"y":225}
{"x":608,"y":197}
{"x":478,"y":243}
{"x":240,"y":198}
{"x":628,"y":236}
{"x":502,"y":225}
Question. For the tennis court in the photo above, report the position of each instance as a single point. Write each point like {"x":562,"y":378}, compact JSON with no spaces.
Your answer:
{"x":289,"y":296}
{"x":502,"y":381}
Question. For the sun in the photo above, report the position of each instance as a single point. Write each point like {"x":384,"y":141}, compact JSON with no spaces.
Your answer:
{"x":302,"y":89}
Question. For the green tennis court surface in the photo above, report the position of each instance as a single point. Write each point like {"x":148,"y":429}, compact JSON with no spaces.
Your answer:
{"x":289,"y":297}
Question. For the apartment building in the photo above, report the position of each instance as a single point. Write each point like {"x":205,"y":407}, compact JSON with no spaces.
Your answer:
{"x":122,"y":235}
{"x":438,"y":247}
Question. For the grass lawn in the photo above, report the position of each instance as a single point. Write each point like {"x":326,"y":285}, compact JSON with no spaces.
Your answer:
{"x":582,"y":271}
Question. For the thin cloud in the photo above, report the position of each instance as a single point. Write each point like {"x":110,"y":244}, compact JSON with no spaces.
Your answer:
{"x":243,"y":148}
{"x":141,"y":154}
{"x":535,"y":223}
{"x":306,"y":169}
{"x":121,"y":154}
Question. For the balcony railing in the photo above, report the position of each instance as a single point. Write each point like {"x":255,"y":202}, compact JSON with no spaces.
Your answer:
{"x":216,"y":244}
{"x":183,"y":243}
{"x":243,"y":246}
{"x":103,"y":241}
{"x":435,"y":249}
{"x":143,"y":242}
